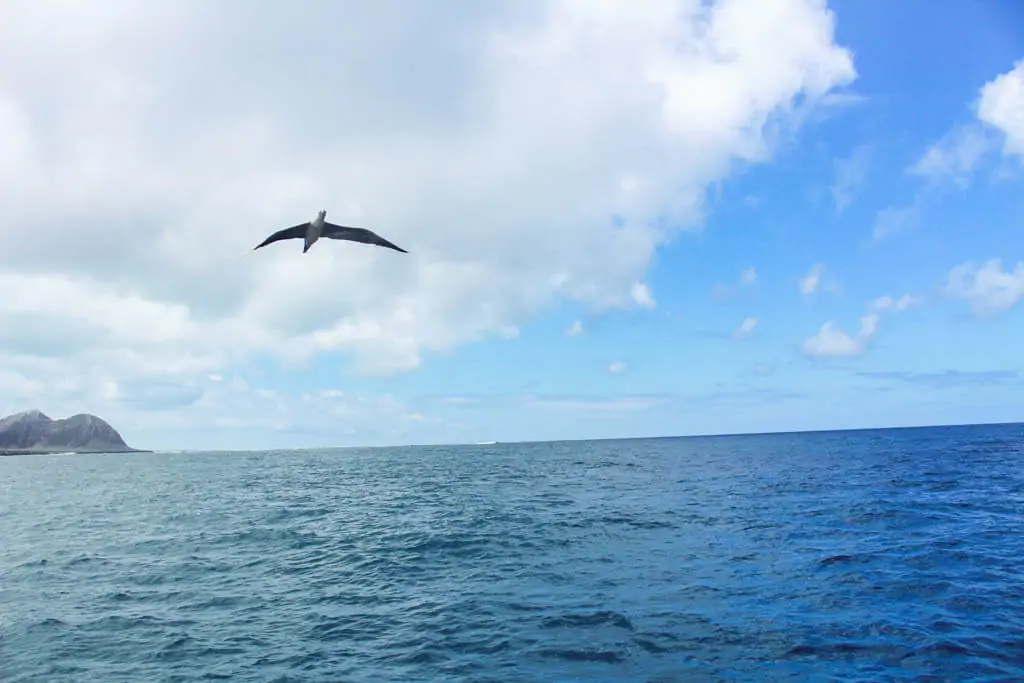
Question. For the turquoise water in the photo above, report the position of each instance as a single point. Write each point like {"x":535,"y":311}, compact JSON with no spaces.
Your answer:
{"x":874,"y":555}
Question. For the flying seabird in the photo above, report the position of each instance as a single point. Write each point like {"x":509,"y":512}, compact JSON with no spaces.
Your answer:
{"x":318,"y":227}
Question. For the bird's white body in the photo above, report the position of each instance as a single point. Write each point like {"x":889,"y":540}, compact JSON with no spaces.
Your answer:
{"x":315,"y":229}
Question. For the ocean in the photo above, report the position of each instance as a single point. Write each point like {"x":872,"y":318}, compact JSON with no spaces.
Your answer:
{"x":882,"y":555}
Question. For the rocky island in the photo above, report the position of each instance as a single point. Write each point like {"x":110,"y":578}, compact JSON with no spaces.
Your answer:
{"x":32,"y":431}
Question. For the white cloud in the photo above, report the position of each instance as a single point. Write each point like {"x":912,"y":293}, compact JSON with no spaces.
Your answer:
{"x":617,"y":367}
{"x":574,"y":330}
{"x":642,"y":296}
{"x":986,"y":287}
{"x":998,"y":110}
{"x":882,"y":303}
{"x":747,"y":278}
{"x":495,"y":144}
{"x":906,"y":301}
{"x":887,"y":303}
{"x":955,"y":156}
{"x":746,"y":327}
{"x":206,"y":412}
{"x":868,"y":326}
{"x":831,"y":340}
{"x":810,"y":282}
{"x":894,"y":219}
{"x":850,"y":173}
{"x":1001,"y":105}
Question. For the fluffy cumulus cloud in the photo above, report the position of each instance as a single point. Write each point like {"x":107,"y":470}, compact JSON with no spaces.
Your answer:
{"x":832,"y":341}
{"x":1001,"y":105}
{"x":999,"y":121}
{"x":641,"y":295}
{"x":522,"y":152}
{"x":986,"y":287}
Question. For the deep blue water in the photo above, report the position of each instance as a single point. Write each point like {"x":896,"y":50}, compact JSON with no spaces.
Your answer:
{"x":875,"y":555}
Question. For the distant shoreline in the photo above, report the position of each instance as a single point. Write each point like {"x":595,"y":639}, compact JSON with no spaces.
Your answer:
{"x":67,"y":451}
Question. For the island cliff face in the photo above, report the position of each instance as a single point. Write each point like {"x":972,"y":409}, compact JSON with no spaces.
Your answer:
{"x":32,"y":431}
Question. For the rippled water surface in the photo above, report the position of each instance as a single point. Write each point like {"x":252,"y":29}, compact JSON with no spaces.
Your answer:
{"x":875,"y":555}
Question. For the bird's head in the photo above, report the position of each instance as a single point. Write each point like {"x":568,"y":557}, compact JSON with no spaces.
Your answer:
{"x":322,"y":214}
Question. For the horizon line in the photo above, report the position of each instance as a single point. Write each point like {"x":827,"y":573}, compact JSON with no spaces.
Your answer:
{"x":589,"y":439}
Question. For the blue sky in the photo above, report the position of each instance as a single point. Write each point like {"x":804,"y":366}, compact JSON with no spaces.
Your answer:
{"x":929,"y":364}
{"x":847,"y":190}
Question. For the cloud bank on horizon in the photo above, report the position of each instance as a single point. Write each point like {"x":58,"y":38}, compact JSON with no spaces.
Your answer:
{"x":570,"y":179}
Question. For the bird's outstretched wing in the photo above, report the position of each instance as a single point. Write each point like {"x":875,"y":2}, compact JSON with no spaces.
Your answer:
{"x":294,"y":232}
{"x":340,"y":232}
